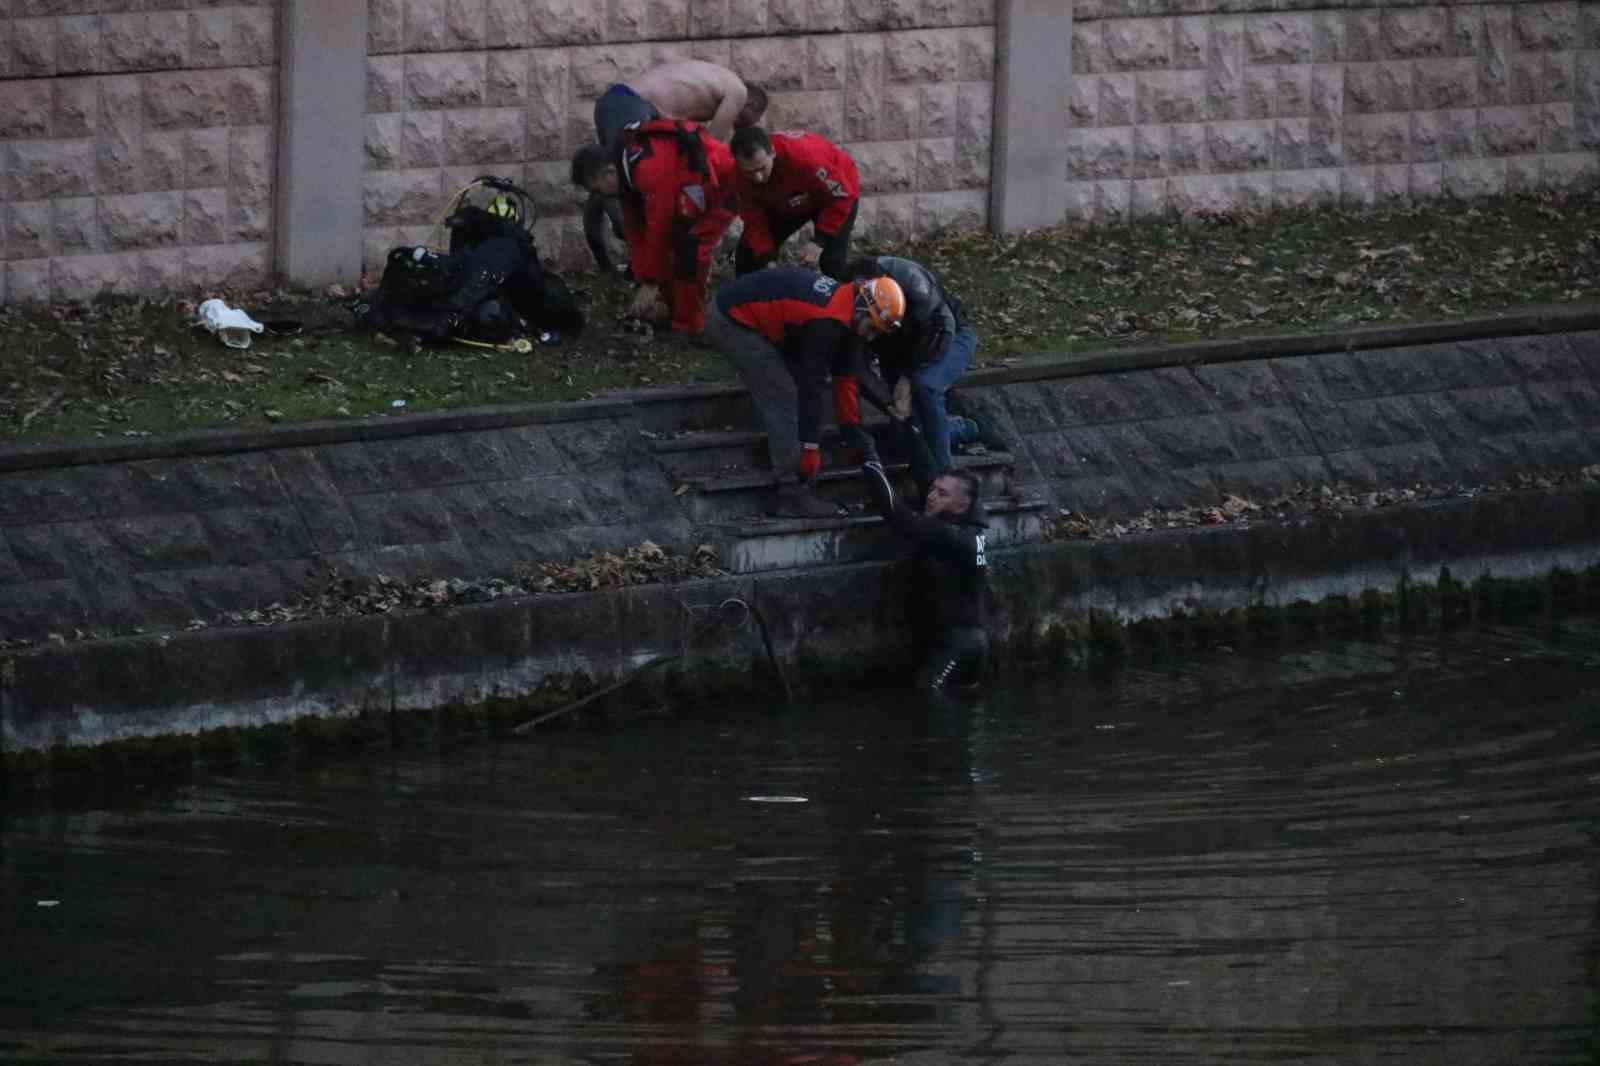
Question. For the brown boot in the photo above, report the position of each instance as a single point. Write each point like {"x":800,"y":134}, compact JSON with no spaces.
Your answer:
{"x":797,"y":499}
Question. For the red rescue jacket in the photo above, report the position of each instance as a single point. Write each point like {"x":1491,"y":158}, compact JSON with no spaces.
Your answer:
{"x":811,"y":178}
{"x":668,"y":167}
{"x":807,"y":316}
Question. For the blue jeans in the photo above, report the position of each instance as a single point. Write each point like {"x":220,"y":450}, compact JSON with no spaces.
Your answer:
{"x":928,"y":387}
{"x":617,"y":107}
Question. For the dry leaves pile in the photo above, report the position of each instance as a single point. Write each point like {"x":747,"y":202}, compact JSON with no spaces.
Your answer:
{"x":643,"y":565}
{"x":1307,"y":500}
{"x":346,"y":597}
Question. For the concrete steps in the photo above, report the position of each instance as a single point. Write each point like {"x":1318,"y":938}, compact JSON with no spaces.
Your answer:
{"x":765,"y":544}
{"x":720,"y":479}
{"x":725,"y":486}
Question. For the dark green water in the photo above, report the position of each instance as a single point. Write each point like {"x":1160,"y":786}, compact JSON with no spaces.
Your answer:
{"x":1372,"y":852}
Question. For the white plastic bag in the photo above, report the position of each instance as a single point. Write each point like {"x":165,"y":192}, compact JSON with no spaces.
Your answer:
{"x":231,"y":325}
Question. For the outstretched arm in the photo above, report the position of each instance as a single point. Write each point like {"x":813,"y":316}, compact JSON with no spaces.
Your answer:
{"x":911,"y":438}
{"x":936,"y":536}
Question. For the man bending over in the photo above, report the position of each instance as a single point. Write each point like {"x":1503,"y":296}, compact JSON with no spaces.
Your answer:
{"x":713,"y":96}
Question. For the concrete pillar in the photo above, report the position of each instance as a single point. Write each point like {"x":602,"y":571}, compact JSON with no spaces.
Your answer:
{"x":321,"y":132}
{"x":1033,"y":84}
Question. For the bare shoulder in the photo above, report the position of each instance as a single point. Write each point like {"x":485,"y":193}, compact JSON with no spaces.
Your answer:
{"x":711,"y":74}
{"x":692,"y":74}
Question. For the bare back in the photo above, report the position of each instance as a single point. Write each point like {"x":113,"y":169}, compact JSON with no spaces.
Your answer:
{"x":694,"y":89}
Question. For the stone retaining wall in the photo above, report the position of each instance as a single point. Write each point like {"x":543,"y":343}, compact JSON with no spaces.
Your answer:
{"x":118,"y":547}
{"x":456,"y":90}
{"x":837,"y":621}
{"x":1351,"y":104}
{"x":136,"y":146}
{"x":109,"y":539}
{"x":138,"y":149}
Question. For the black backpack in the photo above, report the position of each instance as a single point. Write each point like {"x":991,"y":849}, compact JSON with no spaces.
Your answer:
{"x":489,"y":286}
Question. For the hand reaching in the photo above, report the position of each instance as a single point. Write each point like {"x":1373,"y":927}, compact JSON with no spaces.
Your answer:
{"x":902,"y":399}
{"x":648,"y":305}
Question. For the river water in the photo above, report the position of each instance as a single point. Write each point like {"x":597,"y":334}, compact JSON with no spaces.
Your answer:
{"x":1380,"y":851}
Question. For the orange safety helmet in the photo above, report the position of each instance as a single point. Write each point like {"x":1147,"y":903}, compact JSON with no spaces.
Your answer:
{"x":883,"y":301}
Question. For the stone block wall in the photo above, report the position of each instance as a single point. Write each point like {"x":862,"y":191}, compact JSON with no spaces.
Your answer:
{"x":138,"y":140}
{"x":136,"y":145}
{"x":1343,"y":104}
{"x":457,"y":89}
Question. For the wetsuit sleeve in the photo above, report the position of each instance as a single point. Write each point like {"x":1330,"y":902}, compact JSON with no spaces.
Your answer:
{"x":594,"y":233}
{"x":923,"y":469}
{"x":945,"y":540}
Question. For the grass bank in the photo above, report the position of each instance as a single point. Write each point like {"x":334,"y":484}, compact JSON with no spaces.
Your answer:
{"x":132,"y":368}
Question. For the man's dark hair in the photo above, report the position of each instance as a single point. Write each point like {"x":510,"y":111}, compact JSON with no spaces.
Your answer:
{"x":749,"y":140}
{"x":755,"y":106}
{"x":969,"y":482}
{"x":589,"y":161}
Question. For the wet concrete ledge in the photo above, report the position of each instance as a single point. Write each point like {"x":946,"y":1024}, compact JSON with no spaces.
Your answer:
{"x":831,"y":622}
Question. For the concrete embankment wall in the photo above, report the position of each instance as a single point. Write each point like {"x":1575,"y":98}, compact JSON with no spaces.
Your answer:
{"x":119,"y":548}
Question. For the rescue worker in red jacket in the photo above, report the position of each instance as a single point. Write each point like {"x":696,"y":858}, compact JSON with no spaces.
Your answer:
{"x":678,"y":191}
{"x":786,"y":331}
{"x":785,"y":181}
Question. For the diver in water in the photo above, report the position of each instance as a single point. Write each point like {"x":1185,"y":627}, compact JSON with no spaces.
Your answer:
{"x":951,"y":562}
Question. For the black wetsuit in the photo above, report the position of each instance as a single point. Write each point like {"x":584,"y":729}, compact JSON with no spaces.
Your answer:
{"x":952,"y":577}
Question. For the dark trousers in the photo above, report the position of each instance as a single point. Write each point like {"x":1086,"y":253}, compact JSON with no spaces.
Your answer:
{"x":762,"y":369}
{"x":835,"y":249}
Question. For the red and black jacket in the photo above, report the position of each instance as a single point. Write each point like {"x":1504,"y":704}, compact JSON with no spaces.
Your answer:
{"x":811,"y":178}
{"x":807,"y":316}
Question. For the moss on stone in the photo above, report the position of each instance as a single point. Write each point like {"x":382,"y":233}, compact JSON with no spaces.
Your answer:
{"x":1090,"y":640}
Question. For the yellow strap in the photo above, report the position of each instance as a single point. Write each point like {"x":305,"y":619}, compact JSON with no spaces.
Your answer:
{"x":450,"y":206}
{"x":521,"y":345}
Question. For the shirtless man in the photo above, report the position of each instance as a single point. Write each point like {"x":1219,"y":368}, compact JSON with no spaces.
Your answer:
{"x":689,"y":88}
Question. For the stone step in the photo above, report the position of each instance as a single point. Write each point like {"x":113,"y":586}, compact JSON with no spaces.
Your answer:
{"x":691,"y":453}
{"x":687,"y":407}
{"x":739,"y":491}
{"x":759,"y":546}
